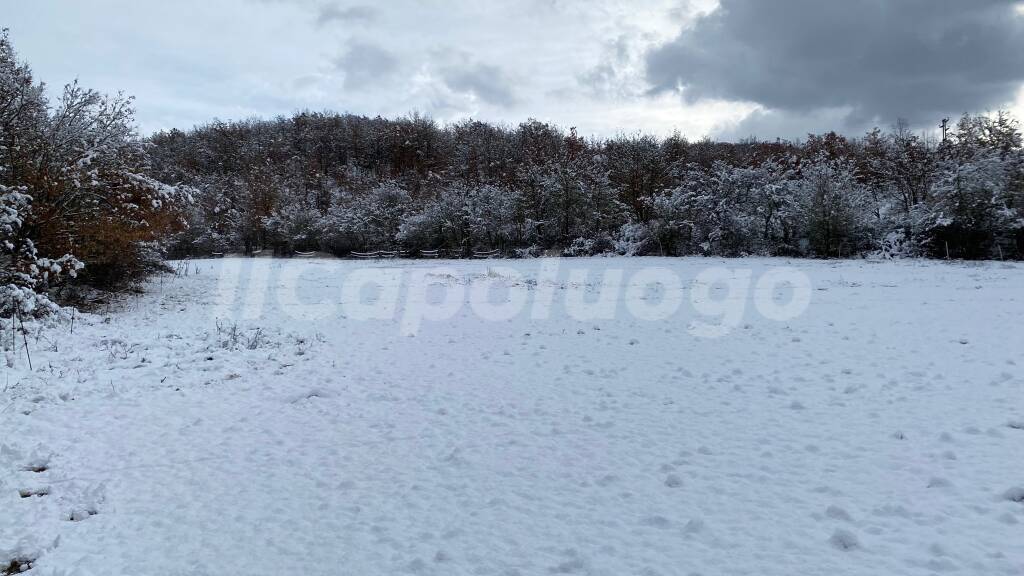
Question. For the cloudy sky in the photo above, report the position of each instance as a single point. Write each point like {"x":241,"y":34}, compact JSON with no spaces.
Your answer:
{"x":728,"y":68}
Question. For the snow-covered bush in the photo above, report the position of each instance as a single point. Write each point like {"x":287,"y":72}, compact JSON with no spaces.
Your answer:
{"x":580,"y":247}
{"x":374,"y":183}
{"x":294,"y":227}
{"x":590,"y":246}
{"x":73,"y":177}
{"x":833,"y":207}
{"x":634,"y":239}
{"x":24,"y":275}
{"x":490,"y":216}
{"x":895,"y":245}
{"x":966,"y":213}
{"x":529,"y":252}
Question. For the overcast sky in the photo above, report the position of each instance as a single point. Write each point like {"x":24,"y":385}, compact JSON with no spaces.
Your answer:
{"x":729,"y":70}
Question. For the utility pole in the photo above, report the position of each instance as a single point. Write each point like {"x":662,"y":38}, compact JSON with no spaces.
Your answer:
{"x":945,"y":128}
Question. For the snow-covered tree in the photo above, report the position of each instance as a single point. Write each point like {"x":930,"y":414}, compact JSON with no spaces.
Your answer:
{"x":24,"y":275}
{"x":535,"y":187}
{"x":75,"y":180}
{"x":974,"y":201}
{"x":835,"y":207}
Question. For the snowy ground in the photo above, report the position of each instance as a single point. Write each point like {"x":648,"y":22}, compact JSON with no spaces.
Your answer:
{"x":209,"y":427}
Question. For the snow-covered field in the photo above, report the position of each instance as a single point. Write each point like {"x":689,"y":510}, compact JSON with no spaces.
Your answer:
{"x":264,"y":417}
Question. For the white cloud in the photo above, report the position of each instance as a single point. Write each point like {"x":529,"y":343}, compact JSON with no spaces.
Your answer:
{"x":192,"y":60}
{"x":574,"y":62}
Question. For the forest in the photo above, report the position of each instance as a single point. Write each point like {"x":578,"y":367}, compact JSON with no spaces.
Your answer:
{"x":342,"y":183}
{"x":85,"y":199}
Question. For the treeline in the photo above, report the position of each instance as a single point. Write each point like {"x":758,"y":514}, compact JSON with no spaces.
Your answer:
{"x":81,"y":195}
{"x":341,"y":183}
{"x":76,"y":195}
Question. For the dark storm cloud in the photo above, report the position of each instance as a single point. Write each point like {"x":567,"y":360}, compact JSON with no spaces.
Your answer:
{"x":881,"y":59}
{"x":366,"y":65}
{"x":488,"y":83}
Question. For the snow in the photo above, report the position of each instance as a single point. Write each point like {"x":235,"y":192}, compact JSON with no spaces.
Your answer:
{"x":209,"y":426}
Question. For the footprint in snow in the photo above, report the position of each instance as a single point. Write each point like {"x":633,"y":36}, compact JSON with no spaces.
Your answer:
{"x":573,"y":566}
{"x":656,"y":521}
{"x":441,"y":557}
{"x":1015,"y":494}
{"x":79,"y":515}
{"x":844,"y":540}
{"x":837,"y":513}
{"x":37,"y":464}
{"x":16,"y":566}
{"x":694,"y":526}
{"x":1008,"y":518}
{"x":34,"y":492}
